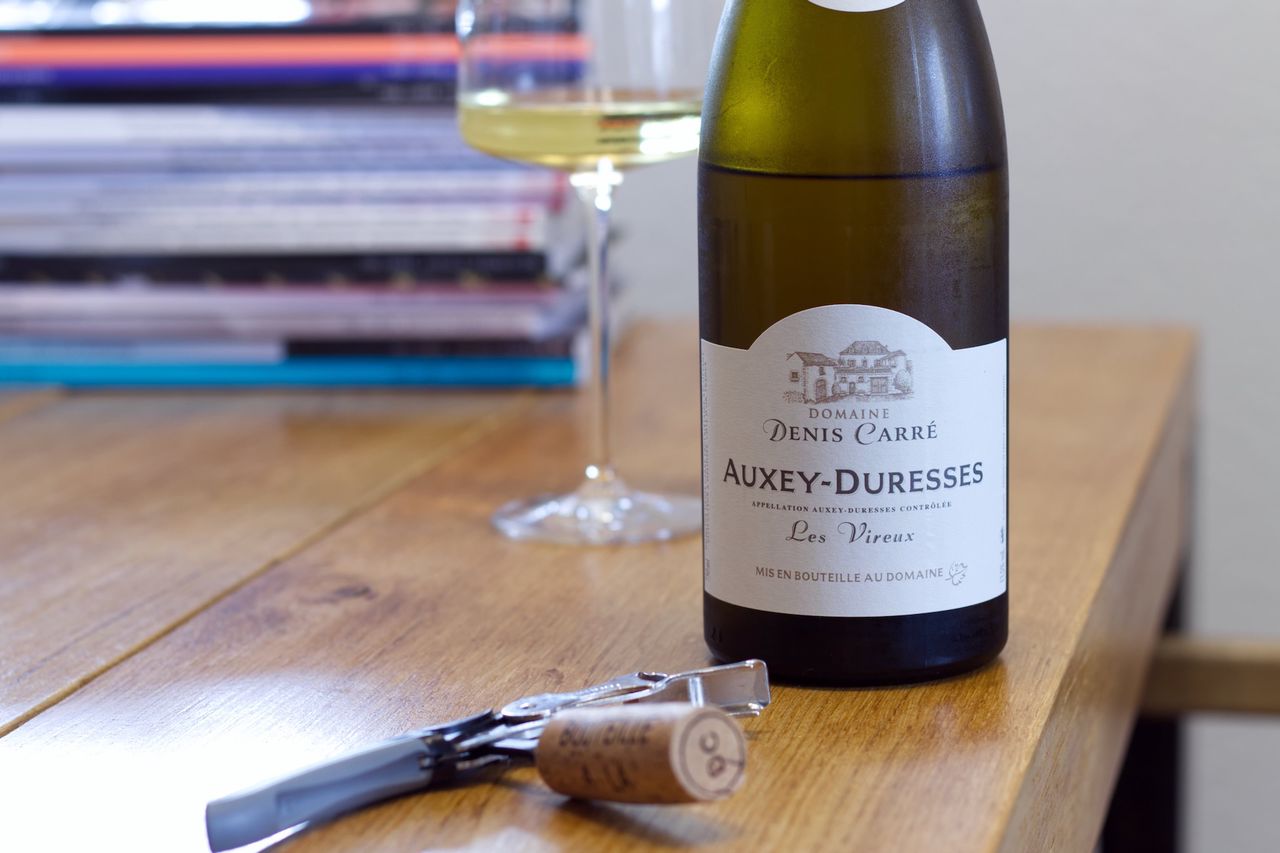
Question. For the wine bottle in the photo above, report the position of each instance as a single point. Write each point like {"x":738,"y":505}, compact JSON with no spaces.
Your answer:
{"x":853,"y":242}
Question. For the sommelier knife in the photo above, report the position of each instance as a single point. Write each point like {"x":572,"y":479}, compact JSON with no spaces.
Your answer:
{"x":458,"y":751}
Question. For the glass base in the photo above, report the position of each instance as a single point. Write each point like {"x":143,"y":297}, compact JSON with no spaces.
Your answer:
{"x":600,"y":513}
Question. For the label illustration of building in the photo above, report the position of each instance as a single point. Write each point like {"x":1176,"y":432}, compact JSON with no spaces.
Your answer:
{"x":864,"y":370}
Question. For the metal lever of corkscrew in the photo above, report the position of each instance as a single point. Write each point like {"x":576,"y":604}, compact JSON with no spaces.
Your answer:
{"x":450,"y":751}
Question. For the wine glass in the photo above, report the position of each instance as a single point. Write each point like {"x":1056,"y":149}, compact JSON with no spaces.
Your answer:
{"x":593,"y":88}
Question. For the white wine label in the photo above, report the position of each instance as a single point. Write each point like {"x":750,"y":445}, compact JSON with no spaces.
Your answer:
{"x":854,"y":465}
{"x":857,"y":5}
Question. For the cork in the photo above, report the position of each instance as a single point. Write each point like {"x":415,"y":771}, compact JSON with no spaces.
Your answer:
{"x":658,"y":753}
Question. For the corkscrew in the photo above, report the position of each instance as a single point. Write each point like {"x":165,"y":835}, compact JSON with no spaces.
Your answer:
{"x":644,"y":737}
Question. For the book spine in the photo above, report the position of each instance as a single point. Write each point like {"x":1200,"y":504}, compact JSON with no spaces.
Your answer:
{"x":277,"y":269}
{"x":167,"y":60}
{"x":561,"y":347}
{"x":336,"y":372}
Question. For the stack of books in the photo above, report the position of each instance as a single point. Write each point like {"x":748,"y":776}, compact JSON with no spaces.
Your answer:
{"x":264,"y":203}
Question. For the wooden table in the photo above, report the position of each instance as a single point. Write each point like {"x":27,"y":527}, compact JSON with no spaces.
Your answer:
{"x":203,"y":591}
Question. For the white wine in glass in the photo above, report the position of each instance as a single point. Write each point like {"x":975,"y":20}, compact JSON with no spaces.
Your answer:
{"x":593,"y":88}
{"x":574,"y":129}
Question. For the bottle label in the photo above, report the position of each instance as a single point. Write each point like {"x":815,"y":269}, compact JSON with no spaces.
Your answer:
{"x":857,"y":5}
{"x":854,"y":465}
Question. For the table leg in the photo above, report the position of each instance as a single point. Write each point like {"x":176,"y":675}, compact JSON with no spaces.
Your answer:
{"x":1145,"y":813}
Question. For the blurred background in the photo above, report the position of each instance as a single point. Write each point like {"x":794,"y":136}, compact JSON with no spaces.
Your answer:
{"x":1145,"y":190}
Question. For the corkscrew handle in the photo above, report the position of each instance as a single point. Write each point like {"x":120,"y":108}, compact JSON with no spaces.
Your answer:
{"x":386,"y":770}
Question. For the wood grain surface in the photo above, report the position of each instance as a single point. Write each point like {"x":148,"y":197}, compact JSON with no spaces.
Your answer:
{"x":19,"y":401}
{"x":415,"y":611}
{"x":123,"y":515}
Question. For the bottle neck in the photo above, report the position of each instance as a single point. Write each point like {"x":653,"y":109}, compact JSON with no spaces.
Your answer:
{"x":800,"y":88}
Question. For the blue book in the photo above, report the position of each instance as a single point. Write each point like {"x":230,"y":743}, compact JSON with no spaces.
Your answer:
{"x":442,"y":372}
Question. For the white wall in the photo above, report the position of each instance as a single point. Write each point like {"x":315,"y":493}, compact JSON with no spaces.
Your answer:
{"x":1145,"y":146}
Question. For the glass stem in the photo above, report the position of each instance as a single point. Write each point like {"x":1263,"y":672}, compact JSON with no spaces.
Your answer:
{"x":595,"y":190}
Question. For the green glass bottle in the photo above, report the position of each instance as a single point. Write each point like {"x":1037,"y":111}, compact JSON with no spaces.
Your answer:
{"x":853,"y":241}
